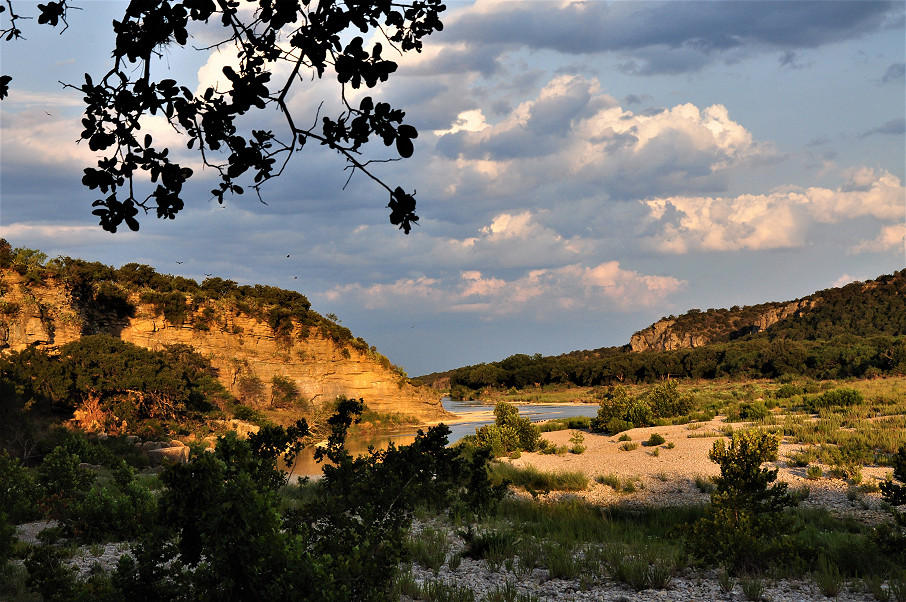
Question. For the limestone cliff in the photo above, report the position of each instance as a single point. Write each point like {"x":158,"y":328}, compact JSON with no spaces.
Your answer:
{"x":49,"y":315}
{"x":697,"y":328}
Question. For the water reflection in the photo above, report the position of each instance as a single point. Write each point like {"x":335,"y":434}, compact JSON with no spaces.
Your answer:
{"x":482,"y":413}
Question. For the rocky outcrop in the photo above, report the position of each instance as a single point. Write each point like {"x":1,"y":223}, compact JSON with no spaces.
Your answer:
{"x":238,"y":346}
{"x":665,"y":335}
{"x":661,"y":337}
{"x":793,"y":309}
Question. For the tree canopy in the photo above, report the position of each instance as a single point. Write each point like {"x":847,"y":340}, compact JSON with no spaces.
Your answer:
{"x":136,"y":174}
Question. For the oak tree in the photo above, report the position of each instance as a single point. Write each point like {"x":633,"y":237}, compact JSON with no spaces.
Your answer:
{"x":307,"y":39}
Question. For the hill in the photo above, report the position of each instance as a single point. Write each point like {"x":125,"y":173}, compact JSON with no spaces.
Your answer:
{"x":875,"y":307}
{"x":260,"y":341}
{"x":857,"y":330}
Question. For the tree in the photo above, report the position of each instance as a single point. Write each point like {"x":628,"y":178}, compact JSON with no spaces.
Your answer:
{"x":308,"y":37}
{"x":745,"y":526}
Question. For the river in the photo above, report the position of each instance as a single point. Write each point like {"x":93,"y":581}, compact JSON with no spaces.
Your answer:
{"x":472,"y":414}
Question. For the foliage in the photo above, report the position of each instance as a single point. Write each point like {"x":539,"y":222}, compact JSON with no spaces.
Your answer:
{"x":843,"y":397}
{"x":18,"y":491}
{"x":118,"y":511}
{"x":895,"y":493}
{"x":230,"y":540}
{"x":655,"y":439}
{"x":284,"y":392}
{"x":745,"y":527}
{"x":213,"y":121}
{"x":114,"y":383}
{"x":621,"y":411}
{"x":510,"y":432}
{"x":577,"y":439}
{"x":855,"y":331}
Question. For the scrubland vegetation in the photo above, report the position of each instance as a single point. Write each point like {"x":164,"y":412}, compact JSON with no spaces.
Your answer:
{"x":228,"y":525}
{"x":347,"y":536}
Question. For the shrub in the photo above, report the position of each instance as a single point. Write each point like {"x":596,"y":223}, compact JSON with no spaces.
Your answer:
{"x":251,"y":390}
{"x":628,"y":446}
{"x":655,"y":439}
{"x":18,"y":491}
{"x":753,"y":411}
{"x":221,"y":510}
{"x":745,"y":526}
{"x":617,"y":425}
{"x":665,"y":400}
{"x":577,"y":441}
{"x":509,"y":433}
{"x":788,"y":390}
{"x":613,"y":406}
{"x":813,"y":472}
{"x":115,"y":512}
{"x":284,"y":392}
{"x":836,"y":398}
{"x":895,"y":493}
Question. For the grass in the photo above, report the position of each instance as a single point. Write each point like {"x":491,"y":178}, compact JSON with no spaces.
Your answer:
{"x":620,"y":485}
{"x":429,"y":548}
{"x":532,"y":479}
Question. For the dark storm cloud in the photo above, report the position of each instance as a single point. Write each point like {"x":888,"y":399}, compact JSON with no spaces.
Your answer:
{"x":675,"y":37}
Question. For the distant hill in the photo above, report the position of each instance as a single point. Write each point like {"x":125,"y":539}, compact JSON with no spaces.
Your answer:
{"x":874,"y":307}
{"x":855,"y":330}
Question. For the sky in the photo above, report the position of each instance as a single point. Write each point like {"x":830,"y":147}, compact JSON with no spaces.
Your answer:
{"x":582,"y":170}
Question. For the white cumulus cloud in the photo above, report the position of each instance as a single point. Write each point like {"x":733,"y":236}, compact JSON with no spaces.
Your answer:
{"x":781,"y":219}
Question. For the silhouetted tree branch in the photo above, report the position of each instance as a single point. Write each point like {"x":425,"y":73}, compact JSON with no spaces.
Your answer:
{"x":308,"y":36}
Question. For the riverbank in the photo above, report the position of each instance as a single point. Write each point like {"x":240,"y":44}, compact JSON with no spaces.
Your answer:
{"x":678,"y":471}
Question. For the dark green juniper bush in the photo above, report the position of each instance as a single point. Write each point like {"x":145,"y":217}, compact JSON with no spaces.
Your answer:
{"x":745,"y":527}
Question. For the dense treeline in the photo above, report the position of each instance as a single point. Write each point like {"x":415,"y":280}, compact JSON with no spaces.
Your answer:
{"x":107,"y":291}
{"x":842,"y":357}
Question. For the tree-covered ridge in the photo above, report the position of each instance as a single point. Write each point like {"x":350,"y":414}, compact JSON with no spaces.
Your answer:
{"x":110,"y":292}
{"x":858,"y":330}
{"x":874,"y":307}
{"x":864,"y":309}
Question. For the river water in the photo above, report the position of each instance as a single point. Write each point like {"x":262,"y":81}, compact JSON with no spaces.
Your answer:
{"x":473,"y":414}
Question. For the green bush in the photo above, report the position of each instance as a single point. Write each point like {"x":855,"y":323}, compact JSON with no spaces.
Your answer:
{"x":753,"y":411}
{"x":510,"y":432}
{"x":118,"y":511}
{"x":655,"y":439}
{"x":344,"y":543}
{"x":665,"y":401}
{"x":895,"y":493}
{"x":613,"y":406}
{"x":835,"y":398}
{"x":19,"y":493}
{"x":745,"y":527}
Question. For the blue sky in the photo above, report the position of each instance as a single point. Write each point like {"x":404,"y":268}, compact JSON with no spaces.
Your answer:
{"x":582,"y":168}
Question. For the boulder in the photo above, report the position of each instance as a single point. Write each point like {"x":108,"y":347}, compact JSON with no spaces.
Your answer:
{"x":178,"y":454}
